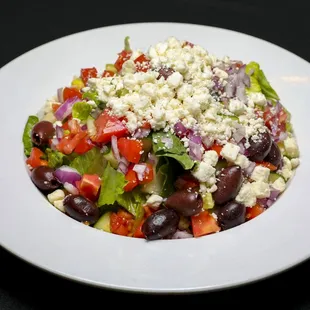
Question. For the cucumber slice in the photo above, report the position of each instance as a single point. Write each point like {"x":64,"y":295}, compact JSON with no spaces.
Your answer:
{"x":273,"y":177}
{"x":208,"y":202}
{"x":104,"y":222}
{"x":111,"y":159}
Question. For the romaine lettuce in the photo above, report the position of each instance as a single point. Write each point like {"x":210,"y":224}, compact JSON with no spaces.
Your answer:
{"x":32,"y":120}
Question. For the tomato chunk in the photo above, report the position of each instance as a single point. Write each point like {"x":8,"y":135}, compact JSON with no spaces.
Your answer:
{"x":107,"y":73}
{"x":108,"y":126}
{"x":68,"y":143}
{"x":121,"y":223}
{"x":89,"y":186}
{"x":88,"y":73}
{"x":142,"y":63}
{"x":203,"y":224}
{"x":130,"y":149}
{"x":122,"y":57}
{"x":132,"y":179}
{"x":267,"y":165}
{"x":84,"y":146}
{"x":251,"y":213}
{"x":138,"y":232}
{"x":35,"y":158}
{"x":217,"y":149}
{"x":70,"y":92}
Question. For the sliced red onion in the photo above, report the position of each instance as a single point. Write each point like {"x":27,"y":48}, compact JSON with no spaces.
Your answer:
{"x":248,"y":171}
{"x":230,"y":88}
{"x":179,"y":129}
{"x":195,"y":151}
{"x":207,"y":142}
{"x":122,"y":168}
{"x":60,"y":95}
{"x":71,"y":188}
{"x":66,"y":108}
{"x":240,"y":93}
{"x":242,"y":148}
{"x":115,"y":148}
{"x":168,"y":142}
{"x":194,"y":138}
{"x":140,"y":169}
{"x":243,"y":77}
{"x":181,"y":234}
{"x":239,"y":134}
{"x":274,"y":194}
{"x":141,"y":133}
{"x":67,"y":174}
{"x":59,"y":132}
{"x":262,"y":202}
{"x":54,"y":143}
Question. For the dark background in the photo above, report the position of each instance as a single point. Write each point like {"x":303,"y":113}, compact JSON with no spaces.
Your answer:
{"x":26,"y":25}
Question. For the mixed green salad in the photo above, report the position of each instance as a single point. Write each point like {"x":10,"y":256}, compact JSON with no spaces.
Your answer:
{"x":166,"y":144}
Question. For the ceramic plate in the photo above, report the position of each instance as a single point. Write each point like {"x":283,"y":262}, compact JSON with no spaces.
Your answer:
{"x":37,"y":232}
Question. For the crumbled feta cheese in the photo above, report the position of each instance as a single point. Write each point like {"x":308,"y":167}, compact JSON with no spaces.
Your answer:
{"x":230,"y":151}
{"x":220,"y":73}
{"x":154,"y":201}
{"x":236,"y":106}
{"x":261,"y":189}
{"x":50,"y":117}
{"x":279,"y":185}
{"x":210,"y":157}
{"x":246,"y":195}
{"x":212,"y":189}
{"x":286,"y":170}
{"x":291,"y":148}
{"x":128,"y":67}
{"x":260,"y":174}
{"x":58,"y":194}
{"x":203,"y":172}
{"x":258,"y":98}
{"x":59,"y":205}
{"x":295,"y":162}
{"x":175,"y":79}
{"x":242,"y":161}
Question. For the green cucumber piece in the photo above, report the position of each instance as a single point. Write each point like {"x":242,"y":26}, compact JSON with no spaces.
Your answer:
{"x":273,"y":177}
{"x":208,"y":202}
{"x":104,"y":222}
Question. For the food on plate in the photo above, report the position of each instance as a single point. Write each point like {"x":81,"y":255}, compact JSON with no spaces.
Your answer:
{"x":170,"y":143}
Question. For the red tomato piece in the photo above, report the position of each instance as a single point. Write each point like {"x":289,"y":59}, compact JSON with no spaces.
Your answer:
{"x":121,"y":223}
{"x":122,"y":57}
{"x":203,"y":224}
{"x":68,"y":143}
{"x":254,"y":211}
{"x":89,"y":186}
{"x":142,"y":63}
{"x":148,"y":175}
{"x":107,"y":73}
{"x":88,"y":73}
{"x":268,"y":165}
{"x":108,"y":126}
{"x":217,"y":149}
{"x":130,"y":149}
{"x":74,"y":126}
{"x":55,"y":106}
{"x":138,"y":232}
{"x":132,"y":179}
{"x":70,"y":92}
{"x":34,"y":159}
{"x":84,"y":146}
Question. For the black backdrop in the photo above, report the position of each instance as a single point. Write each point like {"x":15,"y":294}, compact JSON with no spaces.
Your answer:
{"x":26,"y":25}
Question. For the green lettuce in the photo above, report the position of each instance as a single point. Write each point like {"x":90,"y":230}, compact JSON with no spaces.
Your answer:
{"x":165,"y":174}
{"x":176,"y":151}
{"x":112,"y":186}
{"x":133,"y":202}
{"x":259,"y":81}
{"x":91,"y":95}
{"x":32,"y":120}
{"x":91,"y":162}
{"x":81,"y":110}
{"x":55,"y":159}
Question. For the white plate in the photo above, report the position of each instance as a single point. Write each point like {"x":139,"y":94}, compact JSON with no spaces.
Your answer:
{"x":43,"y":236}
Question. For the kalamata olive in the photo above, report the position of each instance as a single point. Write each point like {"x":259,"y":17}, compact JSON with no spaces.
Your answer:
{"x":42,"y":132}
{"x":274,"y":155}
{"x":165,"y":72}
{"x":44,"y":179}
{"x":81,"y":209}
{"x":230,"y":215}
{"x":160,"y":224}
{"x":259,"y":149}
{"x":185,"y":202}
{"x":228,"y":184}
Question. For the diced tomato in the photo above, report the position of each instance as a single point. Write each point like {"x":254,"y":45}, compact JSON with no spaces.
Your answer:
{"x":142,"y":63}
{"x":65,"y":126}
{"x":68,"y":143}
{"x":217,"y":149}
{"x":254,"y":211}
{"x":148,"y":175}
{"x":84,"y":146}
{"x":130,"y":149}
{"x":146,"y":125}
{"x":87,"y":73}
{"x":74,"y":126}
{"x":186,"y":181}
{"x":122,"y":57}
{"x":89,"y":186}
{"x":147,"y":211}
{"x":70,"y":92}
{"x":268,"y":165}
{"x":34,"y":159}
{"x":138,"y":232}
{"x":55,"y":106}
{"x":132,"y":179}
{"x":108,"y":126}
{"x":203,"y":224}
{"x":121,"y":223}
{"x":107,"y":73}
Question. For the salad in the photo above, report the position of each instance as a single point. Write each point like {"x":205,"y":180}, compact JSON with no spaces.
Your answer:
{"x":166,"y":144}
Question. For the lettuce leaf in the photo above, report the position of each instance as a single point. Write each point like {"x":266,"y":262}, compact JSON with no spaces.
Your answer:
{"x":32,"y":120}
{"x":55,"y":159}
{"x":165,"y":173}
{"x":91,"y":162}
{"x":259,"y":82}
{"x":81,"y":110}
{"x":176,"y":151}
{"x":91,"y":95}
{"x":112,"y":186}
{"x":133,"y":202}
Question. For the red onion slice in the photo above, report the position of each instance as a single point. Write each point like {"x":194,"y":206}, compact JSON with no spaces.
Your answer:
{"x":54,"y":143}
{"x":60,"y":95}
{"x":67,"y":174}
{"x":179,"y":129}
{"x":59,"y":132}
{"x":195,"y":151}
{"x":71,"y":188}
{"x":141,"y":133}
{"x":65,"y":109}
{"x":115,"y":149}
{"x":239,"y":134}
